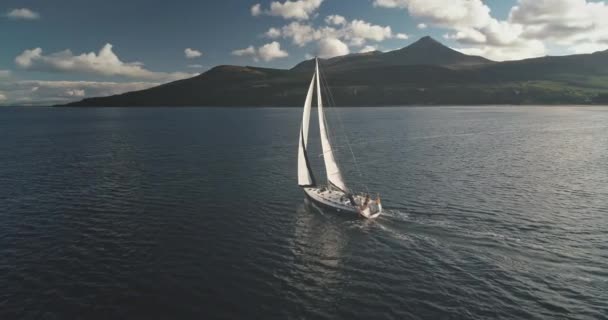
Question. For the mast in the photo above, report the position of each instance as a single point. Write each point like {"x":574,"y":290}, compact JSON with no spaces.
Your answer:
{"x":334,"y":176}
{"x":305,"y":175}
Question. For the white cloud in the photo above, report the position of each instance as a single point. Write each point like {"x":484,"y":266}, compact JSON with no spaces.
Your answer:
{"x":565,"y":16}
{"x":195,"y":66}
{"x":471,"y":24}
{"x":104,"y":63}
{"x":335,"y":20}
{"x":256,"y":10}
{"x":355,"y":32}
{"x":359,"y":29}
{"x":367,"y":49}
{"x":422,"y":26}
{"x":443,"y":12}
{"x":566,"y":22}
{"x":300,"y":34}
{"x":35,"y":92}
{"x":273,"y":33}
{"x":249,"y":51}
{"x":192,"y":53}
{"x":332,"y":47}
{"x":271,"y":51}
{"x":23,"y":14}
{"x":24,"y":60}
{"x":5,"y":73}
{"x":267,"y":52}
{"x":73,"y":92}
{"x":2,"y":97}
{"x":532,"y":49}
{"x":299,"y":9}
{"x":532,"y":25}
{"x":99,"y":87}
{"x":588,"y":47}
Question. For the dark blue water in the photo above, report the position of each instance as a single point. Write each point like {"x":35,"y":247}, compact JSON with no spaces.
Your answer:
{"x":492,"y":213}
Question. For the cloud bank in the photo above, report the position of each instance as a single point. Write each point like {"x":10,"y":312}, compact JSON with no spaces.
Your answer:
{"x":336,"y":36}
{"x":192,"y":53}
{"x":299,"y":10}
{"x":578,"y":25}
{"x":267,"y":52}
{"x":23,"y":14}
{"x":104,"y":63}
{"x":35,"y":92}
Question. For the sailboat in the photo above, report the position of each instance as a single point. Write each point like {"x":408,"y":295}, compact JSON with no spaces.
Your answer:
{"x":334,"y":194}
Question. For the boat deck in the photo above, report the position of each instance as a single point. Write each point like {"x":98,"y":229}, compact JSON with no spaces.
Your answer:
{"x":334,"y":199}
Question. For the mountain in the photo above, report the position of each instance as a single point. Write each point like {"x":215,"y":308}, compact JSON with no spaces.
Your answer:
{"x":429,"y":51}
{"x":425,"y":73}
{"x":426,"y":51}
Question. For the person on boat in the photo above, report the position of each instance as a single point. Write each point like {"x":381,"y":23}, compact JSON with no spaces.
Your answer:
{"x":352,"y":200}
{"x":365,"y":203}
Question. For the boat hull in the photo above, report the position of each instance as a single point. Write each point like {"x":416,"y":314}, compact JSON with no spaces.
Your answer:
{"x":339,"y":202}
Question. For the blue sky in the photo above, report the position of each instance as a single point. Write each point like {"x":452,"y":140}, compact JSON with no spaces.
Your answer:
{"x":149,"y":38}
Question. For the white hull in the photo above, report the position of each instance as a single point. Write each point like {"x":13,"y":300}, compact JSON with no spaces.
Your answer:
{"x":338,"y":201}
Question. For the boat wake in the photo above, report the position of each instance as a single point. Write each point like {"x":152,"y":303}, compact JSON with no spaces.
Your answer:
{"x":395,"y":214}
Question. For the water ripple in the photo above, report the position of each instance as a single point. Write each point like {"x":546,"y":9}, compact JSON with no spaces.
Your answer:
{"x":492,"y":213}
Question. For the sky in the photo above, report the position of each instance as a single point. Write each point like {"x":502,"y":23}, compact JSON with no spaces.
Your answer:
{"x":63,"y":50}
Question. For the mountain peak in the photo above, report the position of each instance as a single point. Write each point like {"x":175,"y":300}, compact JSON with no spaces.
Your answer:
{"x":427,"y":39}
{"x":427,"y":42}
{"x":428,"y":51}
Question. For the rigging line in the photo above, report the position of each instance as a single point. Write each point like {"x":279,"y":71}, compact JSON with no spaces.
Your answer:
{"x":330,"y":101}
{"x":331,"y":97}
{"x":331,"y":133}
{"x":323,"y":83}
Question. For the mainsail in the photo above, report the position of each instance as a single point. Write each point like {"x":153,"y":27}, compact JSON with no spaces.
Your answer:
{"x":305,"y":175}
{"x":334,"y":176}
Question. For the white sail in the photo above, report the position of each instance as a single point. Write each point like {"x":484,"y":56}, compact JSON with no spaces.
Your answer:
{"x":305,"y":176}
{"x":334,"y":176}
